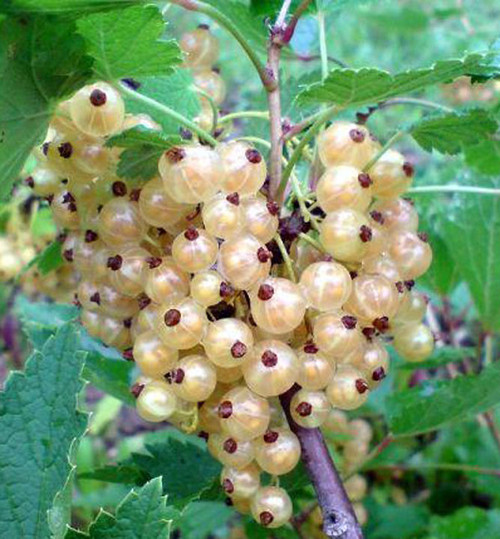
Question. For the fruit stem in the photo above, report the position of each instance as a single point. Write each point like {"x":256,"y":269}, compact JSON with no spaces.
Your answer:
{"x":454,"y":189}
{"x":257,"y":140}
{"x":227,"y":23}
{"x":339,"y":519}
{"x":160,"y":107}
{"x":316,"y":244}
{"x":264,"y":115}
{"x":213,"y":106}
{"x":322,"y":44}
{"x":286,"y":258}
{"x":387,"y":146}
{"x":276,"y":128}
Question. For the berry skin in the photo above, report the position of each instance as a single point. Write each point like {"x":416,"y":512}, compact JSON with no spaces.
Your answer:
{"x":91,"y":258}
{"x":201,"y":48}
{"x":65,"y":211}
{"x":151,"y":356}
{"x":223,"y":216}
{"x":228,"y":375}
{"x":373,"y":363}
{"x":315,"y":369}
{"x":166,"y":282}
{"x":261,"y":217}
{"x":228,"y":342}
{"x":241,"y":262}
{"x":372,"y":297}
{"x":126,"y":270}
{"x":356,"y":487}
{"x":97,"y":109}
{"x":114,"y":332}
{"x":278,"y":451}
{"x":277,"y":305}
{"x":272,"y":369}
{"x":156,"y":207}
{"x":191,"y":174}
{"x":243,"y":414}
{"x":195,"y":250}
{"x":309,"y":409}
{"x":348,"y":390}
{"x":344,"y":187}
{"x":414,"y":342}
{"x":212,"y":83}
{"x":120,"y":223}
{"x":345,"y":234}
{"x":44,"y":181}
{"x":114,"y":304}
{"x":412,"y":309}
{"x":361,"y":430}
{"x":337,"y":334}
{"x":382,"y":265}
{"x":271,"y":507}
{"x":209,"y":288}
{"x":398,"y":214}
{"x":193,"y":378}
{"x":326,"y":285}
{"x":156,"y":402}
{"x":412,"y":255}
{"x":345,"y":143}
{"x":391,"y":175}
{"x":244,"y":168}
{"x":181,"y":325}
{"x":240,"y":483}
{"x":230,"y":452}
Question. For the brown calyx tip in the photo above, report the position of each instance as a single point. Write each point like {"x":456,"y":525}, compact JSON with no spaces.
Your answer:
{"x":266,"y":292}
{"x":29,"y":181}
{"x":135,"y":195}
{"x":253,"y":156}
{"x":365,"y":233}
{"x":400,"y":287}
{"x":98,"y":98}
{"x":273,"y":207}
{"x":238,"y":350}
{"x":153,"y":261}
{"x":378,"y":374}
{"x":228,"y":486}
{"x":119,"y":189}
{"x":349,"y":321}
{"x":423,"y":236}
{"x":266,"y":518}
{"x":128,"y":354}
{"x":114,"y":263}
{"x":361,"y":386}
{"x":304,"y":409}
{"x":408,"y":169}
{"x":203,"y":435}
{"x":172,"y":317}
{"x":381,"y":324}
{"x":311,"y":348}
{"x":191,"y":233}
{"x":409,"y":284}
{"x":230,"y":445}
{"x":127,"y":322}
{"x":143,"y":300}
{"x":68,"y":255}
{"x":269,"y":359}
{"x":233,"y":198}
{"x":377,"y":216}
{"x":225,"y":409}
{"x":95,"y":298}
{"x":264,"y":254}
{"x":90,"y":236}
{"x":369,"y":333}
{"x":364,"y":180}
{"x":136,"y":390}
{"x":225,"y":290}
{"x":174,"y":155}
{"x":65,"y":150}
{"x":175,"y":376}
{"x":357,"y":135}
{"x":271,"y":436}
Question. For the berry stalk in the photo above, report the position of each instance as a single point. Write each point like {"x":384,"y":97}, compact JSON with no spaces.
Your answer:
{"x":339,"y":519}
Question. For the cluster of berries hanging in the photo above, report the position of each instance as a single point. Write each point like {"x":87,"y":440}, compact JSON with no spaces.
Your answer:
{"x":180,"y":276}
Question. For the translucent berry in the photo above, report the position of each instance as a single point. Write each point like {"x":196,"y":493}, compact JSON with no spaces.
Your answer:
{"x":166,"y":281}
{"x":412,"y":308}
{"x":230,"y":452}
{"x":356,"y":487}
{"x":126,"y":270}
{"x":244,"y":168}
{"x":240,"y":483}
{"x":309,"y":409}
{"x":261,"y":217}
{"x":208,"y":288}
{"x":278,"y":451}
{"x":271,"y":507}
{"x":315,"y":369}
{"x":326,"y":285}
{"x":156,"y":401}
{"x":201,"y":48}
{"x":348,"y":389}
{"x":373,"y":363}
{"x":193,"y":378}
{"x":223,"y":216}
{"x":228,"y":375}
{"x":152,"y":356}
{"x":384,"y":265}
{"x":337,"y":333}
{"x":414,"y":342}
{"x":195,"y":250}
{"x":120,"y":223}
{"x":211,"y":83}
{"x":44,"y":181}
{"x":397,"y":213}
{"x":156,"y":207}
{"x":412,"y":254}
{"x":391,"y":175}
{"x":228,"y":342}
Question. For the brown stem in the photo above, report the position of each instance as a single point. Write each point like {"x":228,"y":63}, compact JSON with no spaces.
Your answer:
{"x":339,"y":519}
{"x":276,"y":130}
{"x":290,"y":29}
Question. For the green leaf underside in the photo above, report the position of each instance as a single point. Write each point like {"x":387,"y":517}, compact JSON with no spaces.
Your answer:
{"x":449,"y":133}
{"x":436,"y":403}
{"x":140,"y":163}
{"x":351,"y":87}
{"x":50,"y":258}
{"x":39,"y":423}
{"x":484,"y":157}
{"x":471,"y":228}
{"x":142,"y":514}
{"x":40,"y":62}
{"x":126,"y":43}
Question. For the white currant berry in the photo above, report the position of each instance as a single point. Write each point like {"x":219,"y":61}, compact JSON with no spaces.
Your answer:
{"x":277,"y":451}
{"x":195,"y":250}
{"x":228,"y":342}
{"x":193,"y":378}
{"x":152,"y":356}
{"x":326,"y":285}
{"x":240,"y":483}
{"x":414,"y":342}
{"x":348,"y":389}
{"x":244,"y":168}
{"x":271,"y":507}
{"x":309,"y":409}
{"x":223,"y":216}
{"x":315,"y":369}
{"x":156,"y":401}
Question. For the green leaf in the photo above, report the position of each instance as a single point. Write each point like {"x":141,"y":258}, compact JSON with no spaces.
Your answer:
{"x":401,"y":20}
{"x":141,"y":135}
{"x":41,"y":61}
{"x":440,"y":357}
{"x":143,"y":514}
{"x":187,"y":470}
{"x":448,"y":133}
{"x":60,"y":6}
{"x":176,"y":91}
{"x":50,"y":258}
{"x":466,"y":523}
{"x":351,"y":87}
{"x":39,"y":424}
{"x":385,"y":521}
{"x":126,"y":43}
{"x":204,"y":519}
{"x":122,"y":473}
{"x":484,"y":157}
{"x":436,"y":403}
{"x":470,"y":226}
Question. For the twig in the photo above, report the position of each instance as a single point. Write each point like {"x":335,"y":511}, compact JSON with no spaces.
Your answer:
{"x":301,"y":8}
{"x":363,"y":117}
{"x":455,"y":189}
{"x":339,"y":519}
{"x":276,"y":129}
{"x":286,"y":258}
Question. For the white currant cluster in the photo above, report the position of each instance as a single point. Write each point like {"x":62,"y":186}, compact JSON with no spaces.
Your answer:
{"x":179,"y":275}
